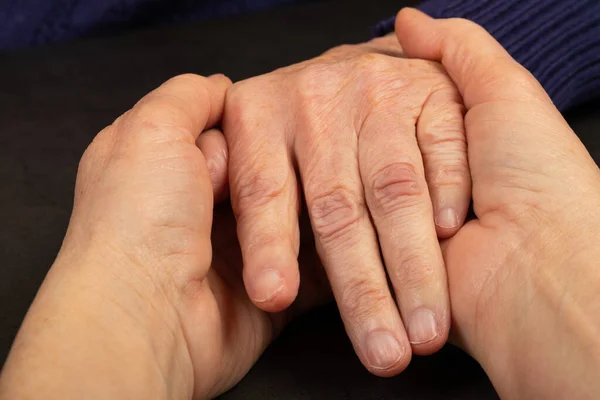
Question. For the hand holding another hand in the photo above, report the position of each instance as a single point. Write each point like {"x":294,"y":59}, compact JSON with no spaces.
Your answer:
{"x":523,"y":276}
{"x":144,"y":301}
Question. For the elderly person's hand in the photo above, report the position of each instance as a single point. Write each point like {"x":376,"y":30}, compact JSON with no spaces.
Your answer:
{"x":523,"y":276}
{"x":139,"y":303}
{"x":374,"y":142}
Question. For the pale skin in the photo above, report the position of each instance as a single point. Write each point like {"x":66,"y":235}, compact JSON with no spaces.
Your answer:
{"x":140,"y":303}
{"x":375,"y":144}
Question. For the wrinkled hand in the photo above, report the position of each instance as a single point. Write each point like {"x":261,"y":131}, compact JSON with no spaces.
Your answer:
{"x":379,"y":146}
{"x":523,"y":276}
{"x":139,"y":300}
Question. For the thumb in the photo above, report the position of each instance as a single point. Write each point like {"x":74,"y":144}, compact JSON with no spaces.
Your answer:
{"x":514,"y":132}
{"x":480,"y":67}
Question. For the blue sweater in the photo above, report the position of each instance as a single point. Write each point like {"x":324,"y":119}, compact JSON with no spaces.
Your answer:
{"x":557,"y":40}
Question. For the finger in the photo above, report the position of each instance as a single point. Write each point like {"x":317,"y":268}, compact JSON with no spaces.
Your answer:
{"x":481,"y":68}
{"x":214,"y":147}
{"x":347,"y":244}
{"x":443,"y":143}
{"x":264,"y":197}
{"x":396,"y":191}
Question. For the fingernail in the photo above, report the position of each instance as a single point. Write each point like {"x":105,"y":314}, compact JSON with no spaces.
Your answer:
{"x":267,"y":285}
{"x":383,"y":350}
{"x":422,"y":327}
{"x":447,"y":218}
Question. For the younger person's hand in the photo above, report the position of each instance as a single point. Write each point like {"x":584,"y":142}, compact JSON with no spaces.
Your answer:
{"x":139,"y":303}
{"x":523,"y":276}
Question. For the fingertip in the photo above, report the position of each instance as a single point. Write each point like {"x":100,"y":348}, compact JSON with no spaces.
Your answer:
{"x":386,"y":354}
{"x":427,"y":332}
{"x":280,"y":302}
{"x":446,"y":233}
{"x":409,"y":14}
{"x":272,"y":288}
{"x":447,"y":222}
{"x":431,"y":347}
{"x":414,"y":31}
{"x":428,"y":346}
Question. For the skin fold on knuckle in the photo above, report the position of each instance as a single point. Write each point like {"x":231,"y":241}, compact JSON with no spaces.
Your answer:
{"x":258,"y":189}
{"x":397,"y":186}
{"x":334,"y":214}
{"x":450,"y":174}
{"x":374,"y":63}
{"x":442,"y":125}
{"x":156,"y":120}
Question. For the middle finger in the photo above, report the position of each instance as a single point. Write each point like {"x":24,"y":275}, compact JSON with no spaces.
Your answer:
{"x":347,"y":244}
{"x":399,"y":201}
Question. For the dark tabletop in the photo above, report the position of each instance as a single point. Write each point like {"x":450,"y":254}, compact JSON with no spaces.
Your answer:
{"x":54,"y":100}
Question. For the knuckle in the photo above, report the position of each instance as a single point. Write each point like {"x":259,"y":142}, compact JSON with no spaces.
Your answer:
{"x":342,"y":50}
{"x":443,"y":131}
{"x":257,"y":190}
{"x":334,"y":213}
{"x":375,"y":67}
{"x":372,"y":62}
{"x":244,"y":105}
{"x":413,"y":272}
{"x":396,"y":185}
{"x":159,"y":117}
{"x":362,"y":299}
{"x":384,"y":84}
{"x":238,"y":93}
{"x":316,"y":82}
{"x":445,"y":119}
{"x":443,"y":135}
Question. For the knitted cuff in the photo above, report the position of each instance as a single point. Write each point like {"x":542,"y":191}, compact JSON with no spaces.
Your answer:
{"x":557,"y":40}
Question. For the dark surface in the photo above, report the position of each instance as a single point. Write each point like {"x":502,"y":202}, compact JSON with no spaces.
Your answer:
{"x":54,"y":100}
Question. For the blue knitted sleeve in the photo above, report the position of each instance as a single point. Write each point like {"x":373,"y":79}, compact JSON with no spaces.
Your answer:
{"x":557,"y":40}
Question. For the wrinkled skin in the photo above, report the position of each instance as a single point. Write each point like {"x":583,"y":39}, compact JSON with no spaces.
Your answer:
{"x":374,"y":143}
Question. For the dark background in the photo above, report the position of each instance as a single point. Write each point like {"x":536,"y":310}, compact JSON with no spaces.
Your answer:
{"x":53,"y":101}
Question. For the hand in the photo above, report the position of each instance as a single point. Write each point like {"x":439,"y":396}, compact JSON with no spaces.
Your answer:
{"x":523,"y":276}
{"x":132,"y":307}
{"x":379,"y":144}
